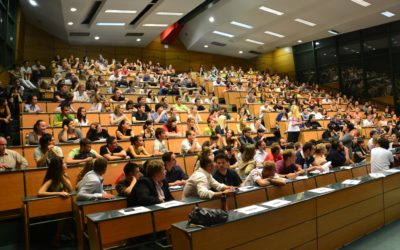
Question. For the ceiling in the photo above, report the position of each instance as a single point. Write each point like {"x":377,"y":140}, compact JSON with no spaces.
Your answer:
{"x":340,"y":15}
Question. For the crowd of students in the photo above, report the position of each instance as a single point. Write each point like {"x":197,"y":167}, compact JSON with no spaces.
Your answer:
{"x":219,"y":170}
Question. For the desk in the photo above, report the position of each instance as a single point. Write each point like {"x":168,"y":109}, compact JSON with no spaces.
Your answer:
{"x":12,"y":190}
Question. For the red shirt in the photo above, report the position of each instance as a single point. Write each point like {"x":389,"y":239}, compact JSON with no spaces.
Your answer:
{"x":271,"y":157}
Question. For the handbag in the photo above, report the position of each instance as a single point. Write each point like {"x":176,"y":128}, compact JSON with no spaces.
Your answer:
{"x":207,"y":216}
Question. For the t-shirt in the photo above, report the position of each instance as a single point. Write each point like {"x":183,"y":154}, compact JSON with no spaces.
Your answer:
{"x":271,"y":157}
{"x":336,"y":157}
{"x":175,"y":174}
{"x":163,"y":119}
{"x":105,"y":150}
{"x":231,"y":178}
{"x":159,"y":146}
{"x":282,"y":169}
{"x":380,"y":159}
{"x":140,"y":117}
{"x":255,"y":174}
{"x":186,"y":145}
{"x":300,"y":160}
{"x":37,"y":154}
{"x":77,"y":155}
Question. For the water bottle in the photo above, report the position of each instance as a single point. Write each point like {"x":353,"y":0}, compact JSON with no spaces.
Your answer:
{"x":224,"y":204}
{"x":305,"y":168}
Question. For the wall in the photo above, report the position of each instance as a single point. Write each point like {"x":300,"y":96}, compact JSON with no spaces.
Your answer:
{"x":280,"y":60}
{"x":39,"y":44}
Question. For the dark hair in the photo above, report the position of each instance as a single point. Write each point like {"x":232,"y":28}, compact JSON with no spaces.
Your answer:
{"x":36,"y":126}
{"x":308,"y":146}
{"x":130,"y":167}
{"x":159,"y":131}
{"x":120,"y":124}
{"x":110,"y":139}
{"x":221,"y":156}
{"x":158,"y":105}
{"x":214,"y":137}
{"x":168,"y":124}
{"x":258,"y":143}
{"x":84,"y":142}
{"x":177,"y":97}
{"x":335,"y":144}
{"x":79,"y":115}
{"x":100,"y":165}
{"x":135,"y":139}
{"x":29,"y":99}
{"x":66,"y":122}
{"x":204,"y":162}
{"x":147,"y":124}
{"x":188,"y":132}
{"x":246,"y":129}
{"x":260,"y":130}
{"x":383,"y":143}
{"x":167,"y":156}
{"x":44,"y":140}
{"x":153,"y":167}
{"x":55,"y":172}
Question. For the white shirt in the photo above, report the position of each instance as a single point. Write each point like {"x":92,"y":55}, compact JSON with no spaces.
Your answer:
{"x":291,"y":126}
{"x":367,"y":123}
{"x":259,"y":157}
{"x":186,"y":145}
{"x":380,"y":159}
{"x":371,"y":144}
{"x":255,"y":174}
{"x":199,"y":185}
{"x":81,"y":98}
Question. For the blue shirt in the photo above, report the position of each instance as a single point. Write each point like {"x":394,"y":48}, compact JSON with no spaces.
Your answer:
{"x":163,"y":119}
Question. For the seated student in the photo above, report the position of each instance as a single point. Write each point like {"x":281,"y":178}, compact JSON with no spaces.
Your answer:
{"x":381,"y":157}
{"x":86,"y":168}
{"x":131,"y":176}
{"x":38,"y":130}
{"x":359,"y":150}
{"x":140,"y":115}
{"x":192,"y":126}
{"x":275,"y":154}
{"x":305,"y":158}
{"x":171,"y":128}
{"x":256,"y":125}
{"x":117,"y":96}
{"x":179,"y":106}
{"x":260,"y":135}
{"x":148,"y":130}
{"x":231,"y":157}
{"x":136,"y":149}
{"x":46,"y":151}
{"x":245,"y":137}
{"x":96,"y":132}
{"x":160,"y":116}
{"x":223,"y":173}
{"x":69,"y":133}
{"x":91,"y":186}
{"x":159,"y":146}
{"x":81,"y":117}
{"x":31,"y":105}
{"x":59,"y":118}
{"x":112,"y":151}
{"x":201,"y":183}
{"x":10,"y":159}
{"x":261,"y":152}
{"x":152,"y":188}
{"x":211,"y":128}
{"x":265,"y":176}
{"x":118,"y":115}
{"x":190,"y":144}
{"x":215,"y":143}
{"x":287,"y":166}
{"x":320,"y":154}
{"x":82,"y":154}
{"x":247,"y":163}
{"x":124,"y":130}
{"x":55,"y":182}
{"x":175,"y":176}
{"x":312,"y":122}
{"x":336,"y":154}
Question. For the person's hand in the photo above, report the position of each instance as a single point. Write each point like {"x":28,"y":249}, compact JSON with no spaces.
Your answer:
{"x":4,"y":165}
{"x":63,"y":194}
{"x":291,"y":176}
{"x":65,"y":128}
{"x":89,"y":159}
{"x":127,"y":157}
{"x":107,"y":196}
{"x":50,"y":147}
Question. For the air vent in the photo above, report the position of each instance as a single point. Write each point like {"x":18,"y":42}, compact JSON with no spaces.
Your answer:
{"x":255,"y":52}
{"x":134,"y":34}
{"x":92,"y":12}
{"x":143,"y":12}
{"x":218,"y":44}
{"x":79,"y":34}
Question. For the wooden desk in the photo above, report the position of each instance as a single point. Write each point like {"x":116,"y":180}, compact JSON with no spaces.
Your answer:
{"x":325,"y":179}
{"x":274,"y":192}
{"x":251,"y":197}
{"x":303,"y":185}
{"x":12,"y":190}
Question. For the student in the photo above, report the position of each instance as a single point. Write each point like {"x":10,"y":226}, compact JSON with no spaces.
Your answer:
{"x":190,"y":144}
{"x":82,"y":154}
{"x":136,"y":149}
{"x":174,"y":176}
{"x":159,"y":146}
{"x":131,"y":176}
{"x":91,"y":186}
{"x":247,"y":163}
{"x":265,"y":176}
{"x":381,"y":158}
{"x":46,"y":151}
{"x":124,"y":130}
{"x":10,"y":159}
{"x":112,"y":151}
{"x":69,"y":133}
{"x":55,"y":182}
{"x":223,"y":173}
{"x":38,"y":130}
{"x":287,"y":166}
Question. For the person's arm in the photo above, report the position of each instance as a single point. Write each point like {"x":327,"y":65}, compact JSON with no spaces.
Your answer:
{"x":120,"y":136}
{"x":193,"y":147}
{"x":86,"y":191}
{"x":158,"y":119}
{"x":70,"y":159}
{"x":121,"y":155}
{"x":205,"y":193}
{"x":21,"y":161}
{"x":63,"y":135}
{"x":144,"y":196}
{"x":43,"y":190}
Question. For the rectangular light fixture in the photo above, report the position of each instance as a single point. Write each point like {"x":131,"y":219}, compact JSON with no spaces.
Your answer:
{"x":254,"y":41}
{"x":274,"y":34}
{"x":223,"y":33}
{"x":242,"y":25}
{"x":299,"y":20}
{"x":361,"y":2}
{"x":388,"y":14}
{"x":110,"y":24}
{"x":271,"y":10}
{"x":163,"y":13}
{"x":333,"y":32}
{"x":155,"y":25}
{"x":121,"y":11}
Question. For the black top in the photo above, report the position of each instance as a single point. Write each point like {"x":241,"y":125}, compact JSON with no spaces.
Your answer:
{"x":201,"y":108}
{"x":60,"y":94}
{"x":231,"y":178}
{"x":121,"y":186}
{"x":175,"y":174}
{"x":301,"y":161}
{"x":358,"y":149}
{"x":104,"y":150}
{"x":119,"y":99}
{"x":94,"y":136}
{"x":245,"y":140}
{"x":232,"y":160}
{"x":140,"y":117}
{"x":145,"y":193}
{"x":336,"y":157}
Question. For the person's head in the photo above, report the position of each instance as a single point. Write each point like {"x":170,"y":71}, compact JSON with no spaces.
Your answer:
{"x":348,"y":127}
{"x":141,"y":108}
{"x":289,"y":156}
{"x":65,"y":110}
{"x":46,"y":140}
{"x":207,"y":164}
{"x":248,"y":153}
{"x":160,"y":134}
{"x":230,"y":133}
{"x":137,"y":141}
{"x":383,"y":143}
{"x":32,"y":99}
{"x":260,"y":132}
{"x":40,"y":127}
{"x":55,"y":171}
{"x":178,"y":100}
{"x":112,"y":142}
{"x":320,"y":149}
{"x":260,"y":145}
{"x":282,"y":143}
{"x":69,"y":123}
{"x":123,"y":125}
{"x":336,"y":145}
{"x":275,"y":149}
{"x":118,"y":110}
{"x":171,"y":123}
{"x":169,"y":159}
{"x":229,"y":150}
{"x":222,"y":162}
{"x":269,"y":169}
{"x":148,"y":125}
{"x":246,"y":132}
{"x":190,"y":135}
{"x":85,"y":145}
{"x":132,"y":170}
{"x":100,"y":166}
{"x":308,"y":149}
{"x":155,"y":170}
{"x":159,"y":108}
{"x":81,"y":113}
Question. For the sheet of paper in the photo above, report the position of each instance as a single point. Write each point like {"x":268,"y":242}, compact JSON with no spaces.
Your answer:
{"x":301,"y":177}
{"x":321,"y":190}
{"x":175,"y":187}
{"x":133,"y":210}
{"x":392,"y":170}
{"x":275,"y":203}
{"x":246,"y":188}
{"x":251,"y":209}
{"x":346,"y":167}
{"x":351,"y":182}
{"x":377,"y":175}
{"x":170,"y":204}
{"x":315,"y":172}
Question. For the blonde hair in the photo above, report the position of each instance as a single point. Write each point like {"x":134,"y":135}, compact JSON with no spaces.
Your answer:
{"x":295,"y":111}
{"x":222,"y":121}
{"x":248,"y":153}
{"x":320,"y":148}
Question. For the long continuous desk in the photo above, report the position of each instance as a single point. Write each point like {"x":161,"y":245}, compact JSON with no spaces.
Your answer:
{"x":307,"y":220}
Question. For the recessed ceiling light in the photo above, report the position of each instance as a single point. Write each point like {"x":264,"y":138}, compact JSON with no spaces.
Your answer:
{"x":254,"y":41}
{"x":333,"y":32}
{"x":33,"y":3}
{"x":242,"y":25}
{"x":70,"y":23}
{"x":155,"y":25}
{"x":121,"y":11}
{"x":211,"y":19}
{"x":299,"y":20}
{"x":240,"y":52}
{"x":205,"y":46}
{"x":361,"y":2}
{"x":138,"y":39}
{"x":388,"y":14}
{"x":110,"y":24}
{"x":73,"y":9}
{"x":223,"y":33}
{"x":169,"y":13}
{"x":271,"y":10}
{"x":96,"y":38}
{"x":299,"y":41}
{"x":316,"y":43}
{"x":274,"y":34}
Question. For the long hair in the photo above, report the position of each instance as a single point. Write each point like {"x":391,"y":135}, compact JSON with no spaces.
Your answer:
{"x":248,"y":153}
{"x":294,"y":111}
{"x":54,"y":172}
{"x":79,"y":115}
{"x":36,"y":126}
{"x":120,"y":126}
{"x":44,"y":141}
{"x":88,"y":167}
{"x":168,"y":124}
